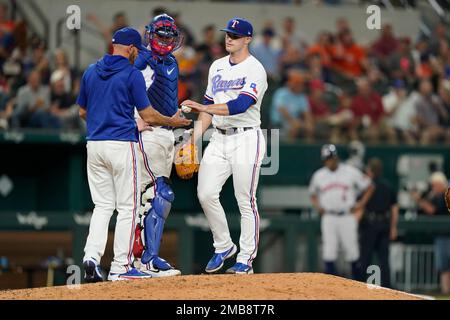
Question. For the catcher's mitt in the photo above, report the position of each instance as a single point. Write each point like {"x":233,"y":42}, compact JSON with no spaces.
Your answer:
{"x":447,"y":198}
{"x":186,"y":161}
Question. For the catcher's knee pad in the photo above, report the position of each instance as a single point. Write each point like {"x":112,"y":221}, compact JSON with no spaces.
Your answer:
{"x":156,"y":217}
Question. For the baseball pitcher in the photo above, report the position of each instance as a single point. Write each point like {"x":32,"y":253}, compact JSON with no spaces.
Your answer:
{"x":236,"y":86}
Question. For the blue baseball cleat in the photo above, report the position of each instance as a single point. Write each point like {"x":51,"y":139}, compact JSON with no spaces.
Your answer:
{"x":92,"y":271}
{"x":240,"y":268}
{"x":158,"y":267}
{"x":133,"y":274}
{"x":218,"y":259}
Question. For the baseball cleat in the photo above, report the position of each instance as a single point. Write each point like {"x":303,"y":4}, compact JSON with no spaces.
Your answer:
{"x":240,"y":268}
{"x":218,"y":259}
{"x":133,"y":274}
{"x":158,"y":268}
{"x":92,"y":271}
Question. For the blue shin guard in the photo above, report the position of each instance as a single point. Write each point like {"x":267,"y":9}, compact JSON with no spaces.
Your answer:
{"x":155,"y":219}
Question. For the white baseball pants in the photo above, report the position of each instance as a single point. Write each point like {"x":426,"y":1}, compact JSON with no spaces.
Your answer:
{"x":239,"y":155}
{"x":156,"y":152}
{"x":336,"y":231}
{"x":113,"y":175}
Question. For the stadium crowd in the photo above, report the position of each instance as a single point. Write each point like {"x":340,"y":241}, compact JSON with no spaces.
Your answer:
{"x":394,"y":90}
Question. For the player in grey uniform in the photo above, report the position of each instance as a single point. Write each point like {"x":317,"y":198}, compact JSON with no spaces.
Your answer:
{"x":334,"y":193}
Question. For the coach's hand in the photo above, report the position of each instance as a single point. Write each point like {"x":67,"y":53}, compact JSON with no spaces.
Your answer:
{"x":177,"y":120}
{"x":143,"y":126}
{"x":195,"y":106}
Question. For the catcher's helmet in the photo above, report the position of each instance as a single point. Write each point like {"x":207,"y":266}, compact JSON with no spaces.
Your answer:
{"x":328,"y":151}
{"x":162,"y":35}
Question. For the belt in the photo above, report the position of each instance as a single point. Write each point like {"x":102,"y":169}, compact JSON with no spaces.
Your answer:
{"x":231,"y":131}
{"x":167,"y":127}
{"x":371,"y":215}
{"x":337,"y":213}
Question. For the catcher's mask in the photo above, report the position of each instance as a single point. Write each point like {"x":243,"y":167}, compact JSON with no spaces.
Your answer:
{"x":163,"y":35}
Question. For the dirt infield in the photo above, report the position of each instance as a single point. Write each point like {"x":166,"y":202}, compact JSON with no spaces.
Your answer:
{"x":277,"y":286}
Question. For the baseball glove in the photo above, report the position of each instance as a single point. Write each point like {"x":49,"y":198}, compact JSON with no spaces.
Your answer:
{"x":447,"y":198}
{"x":186,"y":161}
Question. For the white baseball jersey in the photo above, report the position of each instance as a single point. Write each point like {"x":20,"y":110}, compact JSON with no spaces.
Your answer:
{"x":337,"y":190}
{"x":240,"y":155}
{"x":226,"y":81}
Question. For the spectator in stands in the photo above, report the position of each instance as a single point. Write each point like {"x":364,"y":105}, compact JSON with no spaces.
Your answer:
{"x":269,"y":56}
{"x":341,"y":121}
{"x":63,"y":102}
{"x":188,"y":36}
{"x":207,"y":46}
{"x":291,"y":34}
{"x":429,"y":111}
{"x":342,"y":26}
{"x":400,"y":111}
{"x":378,"y":225}
{"x":348,"y":58}
{"x":316,"y":70}
{"x":444,"y":95}
{"x":401,"y":63}
{"x":385,"y":45}
{"x":7,"y":41}
{"x":6,"y":24}
{"x":6,"y":106}
{"x":120,"y":21}
{"x":421,"y":55}
{"x":368,"y":112}
{"x":319,"y":108}
{"x":62,"y":66}
{"x":208,"y":51}
{"x":293,"y":48}
{"x":438,"y":37}
{"x":38,"y":61}
{"x":323,"y":48}
{"x":377,"y":80}
{"x":424,"y":69}
{"x":188,"y":63}
{"x":33,"y":105}
{"x":290,"y":109}
{"x":433,"y":204}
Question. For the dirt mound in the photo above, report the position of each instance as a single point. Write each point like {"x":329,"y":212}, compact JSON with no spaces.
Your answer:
{"x":278,"y":286}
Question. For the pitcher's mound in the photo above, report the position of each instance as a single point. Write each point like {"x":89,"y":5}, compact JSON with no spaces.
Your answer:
{"x":279,"y":286}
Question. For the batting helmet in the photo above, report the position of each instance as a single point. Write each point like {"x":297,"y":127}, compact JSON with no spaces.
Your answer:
{"x":163,"y":35}
{"x":328,"y":151}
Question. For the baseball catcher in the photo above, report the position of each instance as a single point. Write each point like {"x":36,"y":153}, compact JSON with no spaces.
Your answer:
{"x":160,"y":70}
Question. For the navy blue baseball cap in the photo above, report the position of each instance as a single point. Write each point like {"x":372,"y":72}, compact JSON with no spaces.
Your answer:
{"x":240,"y":27}
{"x":127,"y":36}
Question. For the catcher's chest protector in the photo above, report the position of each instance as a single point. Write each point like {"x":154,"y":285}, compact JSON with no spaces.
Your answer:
{"x":163,"y":92}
